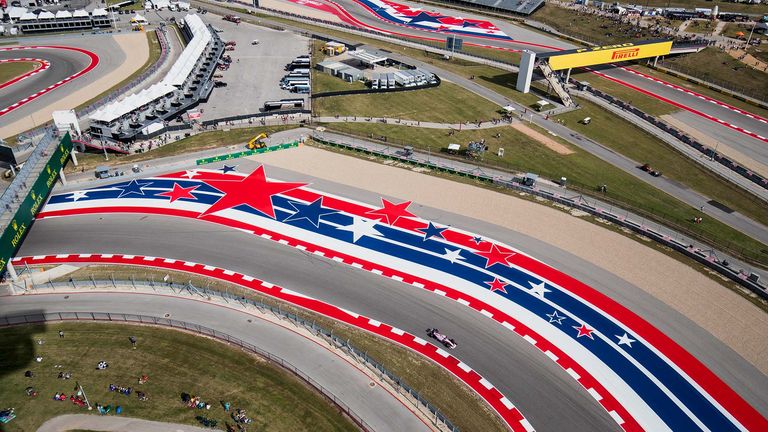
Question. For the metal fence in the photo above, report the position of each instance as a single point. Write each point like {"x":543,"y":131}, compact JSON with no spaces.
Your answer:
{"x":193,"y":328}
{"x":149,"y":283}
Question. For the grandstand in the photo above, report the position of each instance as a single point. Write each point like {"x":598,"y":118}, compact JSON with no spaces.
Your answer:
{"x":522,"y":7}
{"x":187,"y":83}
{"x":39,"y":20}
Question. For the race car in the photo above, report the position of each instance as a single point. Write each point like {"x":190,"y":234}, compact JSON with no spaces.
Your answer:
{"x":445,"y":340}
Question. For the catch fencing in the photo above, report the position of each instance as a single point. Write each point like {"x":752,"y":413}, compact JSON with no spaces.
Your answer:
{"x":145,"y":282}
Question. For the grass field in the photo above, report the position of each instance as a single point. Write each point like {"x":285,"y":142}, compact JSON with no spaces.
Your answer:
{"x":701,"y":26}
{"x":175,"y":362}
{"x":11,"y":70}
{"x":733,"y":29}
{"x":586,"y":171}
{"x":716,"y":66}
{"x":447,"y":103}
{"x":199,"y":142}
{"x":439,"y":387}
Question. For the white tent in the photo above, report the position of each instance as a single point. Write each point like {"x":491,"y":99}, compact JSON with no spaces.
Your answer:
{"x":99,"y":12}
{"x":132,"y":102}
{"x":80,"y":13}
{"x":15,"y":12}
{"x":139,"y":19}
{"x":63,"y":14}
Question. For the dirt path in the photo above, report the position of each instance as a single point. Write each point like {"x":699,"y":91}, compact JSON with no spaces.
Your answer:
{"x":136,"y":49}
{"x":540,"y":137}
{"x":723,"y":313}
{"x":94,"y":422}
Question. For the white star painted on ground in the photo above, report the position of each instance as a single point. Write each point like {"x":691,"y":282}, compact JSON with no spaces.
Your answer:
{"x":452,"y":256}
{"x":555,"y":317}
{"x":190,"y":174}
{"x":538,"y":289}
{"x":625,"y":340}
{"x":361,"y":227}
{"x":77,"y":195}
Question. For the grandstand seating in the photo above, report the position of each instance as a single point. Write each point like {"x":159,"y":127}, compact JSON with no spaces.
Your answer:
{"x":187,"y":83}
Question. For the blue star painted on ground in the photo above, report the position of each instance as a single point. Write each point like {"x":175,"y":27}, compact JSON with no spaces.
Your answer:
{"x":425,"y":17}
{"x":432,"y":231}
{"x":311,"y":212}
{"x":477,"y":239}
{"x":556,"y":318}
{"x":134,"y":187}
{"x":226,"y":168}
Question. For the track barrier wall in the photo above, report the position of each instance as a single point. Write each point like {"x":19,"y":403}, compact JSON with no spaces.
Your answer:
{"x":246,"y":153}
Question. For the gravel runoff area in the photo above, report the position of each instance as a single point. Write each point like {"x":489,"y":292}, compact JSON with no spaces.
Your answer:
{"x":726,"y":315}
{"x":135,"y":52}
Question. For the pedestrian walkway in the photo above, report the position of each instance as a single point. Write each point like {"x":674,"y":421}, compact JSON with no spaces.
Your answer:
{"x":748,"y":59}
{"x":68,"y":422}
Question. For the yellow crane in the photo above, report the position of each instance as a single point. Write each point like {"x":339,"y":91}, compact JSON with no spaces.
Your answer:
{"x":257,"y":142}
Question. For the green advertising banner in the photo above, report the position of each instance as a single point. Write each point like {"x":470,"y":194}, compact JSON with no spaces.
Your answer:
{"x":14,"y":233}
{"x":245,"y":153}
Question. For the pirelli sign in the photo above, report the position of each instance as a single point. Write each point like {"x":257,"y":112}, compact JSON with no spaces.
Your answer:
{"x":607,"y":54}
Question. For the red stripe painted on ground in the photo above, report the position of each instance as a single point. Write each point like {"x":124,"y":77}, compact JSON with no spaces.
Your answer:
{"x":608,"y":401}
{"x":511,"y":415}
{"x":40,"y":66}
{"x":94,"y":61}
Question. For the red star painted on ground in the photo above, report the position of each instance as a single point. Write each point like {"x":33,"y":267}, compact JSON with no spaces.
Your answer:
{"x":584,"y":331}
{"x":391,"y":212}
{"x":255,"y":191}
{"x":497,"y":285}
{"x":495,"y":255}
{"x":179,"y":192}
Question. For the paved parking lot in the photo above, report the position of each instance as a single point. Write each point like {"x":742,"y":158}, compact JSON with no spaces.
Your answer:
{"x":256,"y":70}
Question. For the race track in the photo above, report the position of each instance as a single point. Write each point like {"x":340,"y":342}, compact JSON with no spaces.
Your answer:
{"x":66,"y":64}
{"x":744,"y":128}
{"x":535,"y":384}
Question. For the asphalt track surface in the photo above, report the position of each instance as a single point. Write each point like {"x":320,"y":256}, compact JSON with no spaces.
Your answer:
{"x":110,"y":55}
{"x":334,"y":372}
{"x":536,"y":42}
{"x":63,"y":64}
{"x":535,"y":384}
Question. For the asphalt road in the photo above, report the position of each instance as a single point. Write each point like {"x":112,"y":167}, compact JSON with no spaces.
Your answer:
{"x":380,"y":409}
{"x":63,"y":64}
{"x":534,"y":383}
{"x":110,"y":57}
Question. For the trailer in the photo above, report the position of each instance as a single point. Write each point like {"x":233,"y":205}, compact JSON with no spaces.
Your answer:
{"x":300,"y":89}
{"x":283,"y":104}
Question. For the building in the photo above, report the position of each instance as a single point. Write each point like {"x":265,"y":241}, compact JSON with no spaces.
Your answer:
{"x":341,"y":70}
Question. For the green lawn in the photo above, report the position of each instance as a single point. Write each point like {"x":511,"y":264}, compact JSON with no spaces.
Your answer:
{"x":447,"y":103}
{"x":586,"y":171}
{"x":9,"y":71}
{"x":199,"y":142}
{"x":701,"y":26}
{"x":716,"y":66}
{"x":732,"y":29}
{"x":612,"y":132}
{"x":435,"y":384}
{"x":175,"y":362}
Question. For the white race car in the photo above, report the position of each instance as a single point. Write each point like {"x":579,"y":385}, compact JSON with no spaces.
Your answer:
{"x":445,"y":340}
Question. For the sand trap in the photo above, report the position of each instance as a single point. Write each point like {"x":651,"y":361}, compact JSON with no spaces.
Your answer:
{"x":723,"y":313}
{"x":722,"y":147}
{"x":544,"y":139}
{"x":302,"y":8}
{"x":136,"y":49}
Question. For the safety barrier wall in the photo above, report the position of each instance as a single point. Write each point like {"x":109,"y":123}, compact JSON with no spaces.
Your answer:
{"x":344,"y":344}
{"x":705,"y":150}
{"x":706,"y":258}
{"x":189,"y":327}
{"x":230,"y":156}
{"x":254,"y":116}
